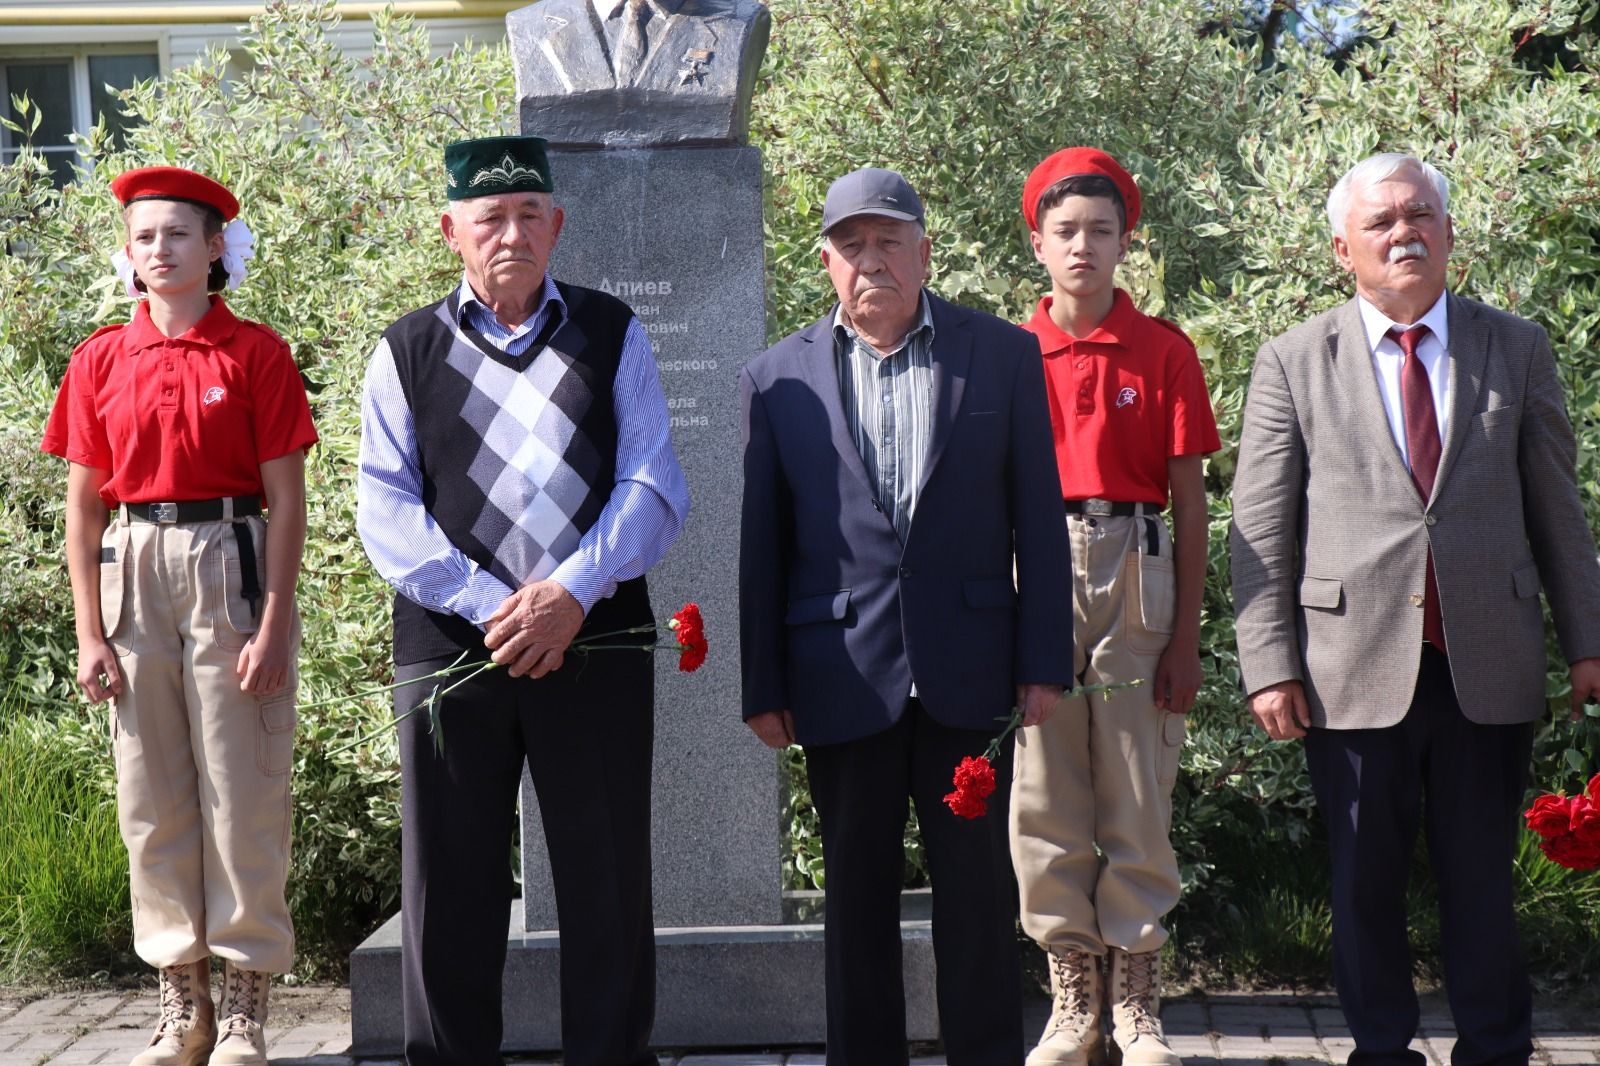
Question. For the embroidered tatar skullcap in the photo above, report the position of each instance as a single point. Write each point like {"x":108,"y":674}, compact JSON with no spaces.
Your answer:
{"x":488,"y":166}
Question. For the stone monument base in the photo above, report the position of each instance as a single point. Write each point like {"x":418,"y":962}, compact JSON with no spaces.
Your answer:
{"x":716,"y":987}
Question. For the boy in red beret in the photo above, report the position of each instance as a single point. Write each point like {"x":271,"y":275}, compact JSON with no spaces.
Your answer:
{"x":1132,"y":421}
{"x":178,"y":427}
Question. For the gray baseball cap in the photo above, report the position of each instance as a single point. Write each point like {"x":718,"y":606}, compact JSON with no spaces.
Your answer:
{"x":870,"y":191}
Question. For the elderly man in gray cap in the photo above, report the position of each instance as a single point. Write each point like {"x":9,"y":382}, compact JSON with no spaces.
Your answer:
{"x":897,"y":460}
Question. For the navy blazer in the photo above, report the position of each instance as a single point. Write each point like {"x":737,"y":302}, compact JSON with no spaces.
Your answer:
{"x":837,"y":618}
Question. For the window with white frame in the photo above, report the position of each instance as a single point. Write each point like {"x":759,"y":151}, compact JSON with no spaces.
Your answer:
{"x":71,"y":89}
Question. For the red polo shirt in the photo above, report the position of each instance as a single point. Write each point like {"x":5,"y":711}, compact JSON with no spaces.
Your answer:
{"x":180,"y":418}
{"x":1123,"y":400}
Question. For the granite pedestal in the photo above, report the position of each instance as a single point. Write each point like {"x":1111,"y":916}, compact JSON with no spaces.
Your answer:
{"x":755,"y":986}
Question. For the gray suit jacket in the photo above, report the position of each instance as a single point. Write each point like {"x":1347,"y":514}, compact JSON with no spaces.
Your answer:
{"x":1330,"y":538}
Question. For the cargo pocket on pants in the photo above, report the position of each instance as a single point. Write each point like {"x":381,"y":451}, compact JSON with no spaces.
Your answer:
{"x":275,"y":740}
{"x":234,"y":620}
{"x":1152,"y":602}
{"x":114,"y":587}
{"x":1174,"y":728}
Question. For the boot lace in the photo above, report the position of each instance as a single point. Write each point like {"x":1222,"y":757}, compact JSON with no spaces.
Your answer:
{"x":1141,"y":991}
{"x":177,"y":999}
{"x":1072,"y":984}
{"x":242,"y":991}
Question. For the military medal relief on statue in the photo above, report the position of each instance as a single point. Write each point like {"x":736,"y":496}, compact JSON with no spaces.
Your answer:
{"x":637,"y":73}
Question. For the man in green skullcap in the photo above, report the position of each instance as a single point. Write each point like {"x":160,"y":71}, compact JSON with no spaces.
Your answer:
{"x":517,"y":480}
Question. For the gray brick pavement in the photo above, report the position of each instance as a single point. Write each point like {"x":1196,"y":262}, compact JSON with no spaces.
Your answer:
{"x":1229,"y":1029}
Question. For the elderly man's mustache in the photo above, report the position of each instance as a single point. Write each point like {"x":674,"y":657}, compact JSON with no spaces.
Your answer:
{"x":1415,"y":249}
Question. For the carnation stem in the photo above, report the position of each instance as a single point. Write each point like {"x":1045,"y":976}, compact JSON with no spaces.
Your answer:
{"x":651,"y":628}
{"x":993,"y":751}
{"x":455,"y":667}
{"x":1015,"y":719}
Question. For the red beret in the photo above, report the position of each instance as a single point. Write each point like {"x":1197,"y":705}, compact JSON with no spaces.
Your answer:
{"x":1076,"y":162}
{"x":173,"y":183}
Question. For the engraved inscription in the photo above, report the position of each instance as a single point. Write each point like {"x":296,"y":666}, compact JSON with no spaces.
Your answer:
{"x":660,"y":319}
{"x":635,"y":288}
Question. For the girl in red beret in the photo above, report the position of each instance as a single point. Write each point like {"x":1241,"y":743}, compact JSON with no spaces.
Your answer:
{"x":179,"y":426}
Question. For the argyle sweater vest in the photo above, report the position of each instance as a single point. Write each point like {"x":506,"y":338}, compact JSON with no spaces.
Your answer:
{"x":518,"y":453}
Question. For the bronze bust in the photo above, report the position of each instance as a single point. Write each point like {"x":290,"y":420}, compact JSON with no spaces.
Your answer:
{"x":636,"y":73}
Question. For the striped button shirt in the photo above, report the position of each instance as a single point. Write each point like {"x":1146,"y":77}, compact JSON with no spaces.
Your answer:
{"x":638,"y":524}
{"x":888,"y":404}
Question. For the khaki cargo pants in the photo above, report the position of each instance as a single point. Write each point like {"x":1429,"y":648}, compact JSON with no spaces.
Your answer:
{"x":202,"y":767}
{"x":1099,"y":773}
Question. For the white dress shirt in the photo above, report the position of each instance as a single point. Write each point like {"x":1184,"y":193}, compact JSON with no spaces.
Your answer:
{"x":1387,"y":359}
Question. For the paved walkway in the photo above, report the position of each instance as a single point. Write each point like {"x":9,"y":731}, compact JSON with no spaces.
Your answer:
{"x":1235,"y":1029}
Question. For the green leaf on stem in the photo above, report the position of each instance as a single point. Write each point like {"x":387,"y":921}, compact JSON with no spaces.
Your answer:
{"x":435,"y":722}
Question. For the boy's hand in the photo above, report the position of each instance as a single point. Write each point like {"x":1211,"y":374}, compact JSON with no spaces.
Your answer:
{"x":263,"y":666}
{"x":98,"y":673}
{"x":1178,"y":678}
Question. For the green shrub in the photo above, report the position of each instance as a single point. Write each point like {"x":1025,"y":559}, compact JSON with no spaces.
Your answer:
{"x":63,"y":870}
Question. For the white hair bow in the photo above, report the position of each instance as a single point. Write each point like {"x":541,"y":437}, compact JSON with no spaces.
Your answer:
{"x":238,"y":244}
{"x":124,"y":268}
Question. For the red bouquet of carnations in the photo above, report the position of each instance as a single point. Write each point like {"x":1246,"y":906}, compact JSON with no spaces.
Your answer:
{"x":1569,"y":826}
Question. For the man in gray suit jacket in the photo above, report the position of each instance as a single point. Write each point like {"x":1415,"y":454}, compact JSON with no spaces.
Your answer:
{"x":1405,"y":488}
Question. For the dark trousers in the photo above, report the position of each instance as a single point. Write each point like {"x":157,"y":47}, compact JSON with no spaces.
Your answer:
{"x":860,"y":789}
{"x":585,"y":732}
{"x":1464,"y":782}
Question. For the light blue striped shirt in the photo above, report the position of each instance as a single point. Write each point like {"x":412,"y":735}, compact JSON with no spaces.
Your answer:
{"x":640,"y":521}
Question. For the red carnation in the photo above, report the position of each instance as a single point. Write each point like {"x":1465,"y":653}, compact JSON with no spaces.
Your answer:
{"x":690,"y":630}
{"x":966,"y":805}
{"x":974,"y":781}
{"x":692,"y":658}
{"x":1549,"y":816}
{"x":975,"y":775}
{"x":688,"y":625}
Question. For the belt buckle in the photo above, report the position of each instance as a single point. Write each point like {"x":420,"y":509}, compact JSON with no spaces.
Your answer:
{"x":1097,"y":507}
{"x":165,"y":513}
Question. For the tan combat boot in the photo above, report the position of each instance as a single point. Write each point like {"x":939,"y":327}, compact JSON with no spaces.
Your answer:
{"x":241,"y":1040}
{"x":188,"y":1025}
{"x":1072,"y":1035}
{"x":1135,"y":995}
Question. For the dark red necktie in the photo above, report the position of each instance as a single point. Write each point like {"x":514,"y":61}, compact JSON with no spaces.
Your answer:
{"x":1422,"y":445}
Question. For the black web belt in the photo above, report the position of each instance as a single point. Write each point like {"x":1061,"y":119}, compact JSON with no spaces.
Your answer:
{"x":187,"y":511}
